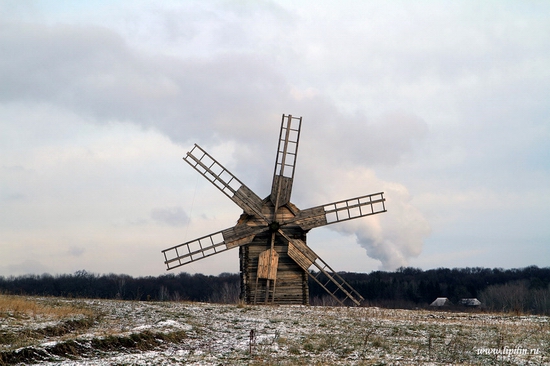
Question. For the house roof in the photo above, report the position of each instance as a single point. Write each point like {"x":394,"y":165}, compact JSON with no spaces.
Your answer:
{"x":470,"y":302}
{"x":441,"y":301}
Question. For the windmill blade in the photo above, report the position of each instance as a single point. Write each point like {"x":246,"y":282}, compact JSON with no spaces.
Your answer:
{"x":226,"y":182}
{"x":285,"y":162}
{"x":340,"y":211}
{"x":326,"y":277}
{"x":208,"y":245}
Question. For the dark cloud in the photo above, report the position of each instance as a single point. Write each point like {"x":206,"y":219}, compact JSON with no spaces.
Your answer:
{"x":92,"y":71}
{"x":238,"y":97}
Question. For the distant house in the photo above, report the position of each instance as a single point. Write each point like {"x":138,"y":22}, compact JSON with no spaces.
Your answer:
{"x":441,"y":301}
{"x":472,"y":302}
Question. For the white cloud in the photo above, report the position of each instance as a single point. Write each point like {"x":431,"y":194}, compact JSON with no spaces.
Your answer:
{"x":173,"y":216}
{"x":432,"y":103}
{"x":393,"y":237}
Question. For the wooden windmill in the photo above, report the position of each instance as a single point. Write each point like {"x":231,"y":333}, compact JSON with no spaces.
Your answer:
{"x":275,"y":261}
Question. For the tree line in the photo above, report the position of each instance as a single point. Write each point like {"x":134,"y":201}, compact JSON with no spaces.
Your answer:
{"x":521,"y":290}
{"x":83,"y":284}
{"x":526,"y":289}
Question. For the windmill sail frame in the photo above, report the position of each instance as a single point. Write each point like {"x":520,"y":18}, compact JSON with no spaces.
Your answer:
{"x":275,"y":260}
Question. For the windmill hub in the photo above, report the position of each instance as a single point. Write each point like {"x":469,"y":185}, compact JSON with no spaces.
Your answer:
{"x":284,"y":268}
{"x":274,"y":226}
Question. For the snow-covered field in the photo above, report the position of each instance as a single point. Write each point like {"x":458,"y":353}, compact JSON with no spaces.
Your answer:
{"x":109,"y":332}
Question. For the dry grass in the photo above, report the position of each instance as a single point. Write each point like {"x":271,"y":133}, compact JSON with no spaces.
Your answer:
{"x":26,"y":321}
{"x":23,"y":307}
{"x":175,"y":333}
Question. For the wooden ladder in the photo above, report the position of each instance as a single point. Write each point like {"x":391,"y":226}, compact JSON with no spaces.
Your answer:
{"x":269,"y":290}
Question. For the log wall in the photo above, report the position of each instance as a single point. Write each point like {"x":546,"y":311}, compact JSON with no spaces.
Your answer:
{"x":291,"y":286}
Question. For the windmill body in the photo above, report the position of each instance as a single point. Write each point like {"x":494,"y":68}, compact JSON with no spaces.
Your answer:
{"x":275,"y":261}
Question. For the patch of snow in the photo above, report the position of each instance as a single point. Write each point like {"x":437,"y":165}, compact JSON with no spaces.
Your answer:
{"x":174,"y":324}
{"x":220,"y":334}
{"x":49,"y":344}
{"x":142,"y":328}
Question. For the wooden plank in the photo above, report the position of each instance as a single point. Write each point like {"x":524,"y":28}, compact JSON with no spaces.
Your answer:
{"x":301,"y":254}
{"x":292,"y":280}
{"x":267,"y":264}
{"x":339,"y":211}
{"x":248,"y":201}
{"x":311,"y":217}
{"x":224,"y":180}
{"x":282,"y":186}
{"x":238,"y":243}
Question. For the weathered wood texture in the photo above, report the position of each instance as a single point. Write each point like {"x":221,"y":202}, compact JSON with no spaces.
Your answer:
{"x":267,"y":264}
{"x":301,"y":254}
{"x":292,"y":280}
{"x":282,"y":188}
{"x":274,"y":223}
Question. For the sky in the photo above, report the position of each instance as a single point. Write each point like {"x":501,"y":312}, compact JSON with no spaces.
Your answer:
{"x":442,"y":105}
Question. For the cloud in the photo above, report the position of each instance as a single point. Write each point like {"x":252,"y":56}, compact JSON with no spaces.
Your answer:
{"x":397,"y":235}
{"x":92,"y":71}
{"x":28,"y":266}
{"x":173,"y":216}
{"x":76,"y":251}
{"x":393,"y":237}
{"x":99,"y":103}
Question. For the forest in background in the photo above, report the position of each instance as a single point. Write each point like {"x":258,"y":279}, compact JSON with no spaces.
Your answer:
{"x":525,"y":290}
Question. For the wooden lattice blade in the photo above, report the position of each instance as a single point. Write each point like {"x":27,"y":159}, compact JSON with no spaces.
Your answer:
{"x":209,"y":245}
{"x":306,"y":258}
{"x":285,"y":162}
{"x":225,"y":181}
{"x":340,"y":211}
